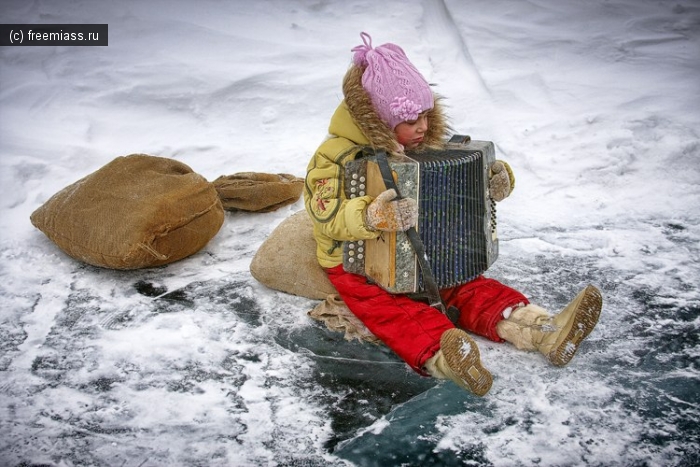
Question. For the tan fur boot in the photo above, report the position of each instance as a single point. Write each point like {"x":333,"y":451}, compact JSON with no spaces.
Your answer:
{"x":557,"y":337}
{"x":459,"y":360}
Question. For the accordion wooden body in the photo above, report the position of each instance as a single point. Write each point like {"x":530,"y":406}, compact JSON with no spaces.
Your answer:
{"x":456,"y":217}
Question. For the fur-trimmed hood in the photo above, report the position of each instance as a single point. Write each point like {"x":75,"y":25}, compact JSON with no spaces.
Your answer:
{"x":378,"y":133}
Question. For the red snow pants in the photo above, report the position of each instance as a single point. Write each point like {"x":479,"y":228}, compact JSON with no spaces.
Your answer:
{"x":411,"y":328}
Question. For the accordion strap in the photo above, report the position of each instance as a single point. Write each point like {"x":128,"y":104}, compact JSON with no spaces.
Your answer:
{"x":431,"y":287}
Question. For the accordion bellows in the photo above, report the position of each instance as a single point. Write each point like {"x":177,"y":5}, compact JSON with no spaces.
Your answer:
{"x":456,"y":218}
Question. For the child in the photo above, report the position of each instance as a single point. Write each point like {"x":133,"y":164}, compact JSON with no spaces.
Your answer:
{"x":389,"y":105}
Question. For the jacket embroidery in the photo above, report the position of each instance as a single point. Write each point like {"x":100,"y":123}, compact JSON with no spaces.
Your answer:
{"x":324,"y":191}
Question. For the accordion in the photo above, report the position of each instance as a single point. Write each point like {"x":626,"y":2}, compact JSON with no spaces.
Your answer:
{"x":456,"y":216}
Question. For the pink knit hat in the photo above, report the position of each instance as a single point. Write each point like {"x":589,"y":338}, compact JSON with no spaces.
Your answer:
{"x":398,"y":91}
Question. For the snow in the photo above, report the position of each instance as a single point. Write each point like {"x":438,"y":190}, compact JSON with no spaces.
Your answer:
{"x":596,"y":106}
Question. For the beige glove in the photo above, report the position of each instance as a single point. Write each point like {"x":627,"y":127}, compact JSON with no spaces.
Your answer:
{"x":502,"y":181}
{"x":389,"y":215}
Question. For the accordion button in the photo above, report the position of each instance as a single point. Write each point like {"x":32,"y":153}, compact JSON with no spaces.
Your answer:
{"x":360,"y":256}
{"x":360,"y":242}
{"x":351,"y":260}
{"x":354,"y":176}
{"x":353,"y":182}
{"x":363,"y":179}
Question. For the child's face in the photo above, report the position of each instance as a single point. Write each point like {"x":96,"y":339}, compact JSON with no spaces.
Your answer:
{"x":410,"y":134}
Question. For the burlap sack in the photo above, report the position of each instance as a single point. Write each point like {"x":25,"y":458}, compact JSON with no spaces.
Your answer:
{"x":137,"y":211}
{"x":258,"y":192}
{"x":286,"y":261}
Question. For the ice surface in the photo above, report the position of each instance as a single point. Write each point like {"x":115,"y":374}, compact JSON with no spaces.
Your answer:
{"x":594,"y":104}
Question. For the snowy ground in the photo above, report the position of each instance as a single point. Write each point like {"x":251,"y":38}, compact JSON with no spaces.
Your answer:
{"x":595,"y":104}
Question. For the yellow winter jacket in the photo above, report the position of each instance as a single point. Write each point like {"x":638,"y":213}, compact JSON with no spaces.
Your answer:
{"x":336,"y":218}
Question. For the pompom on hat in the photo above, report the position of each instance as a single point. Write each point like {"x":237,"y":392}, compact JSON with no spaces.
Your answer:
{"x":398,"y":91}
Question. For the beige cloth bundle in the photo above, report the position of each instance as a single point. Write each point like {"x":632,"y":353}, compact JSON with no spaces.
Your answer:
{"x":286,"y":261}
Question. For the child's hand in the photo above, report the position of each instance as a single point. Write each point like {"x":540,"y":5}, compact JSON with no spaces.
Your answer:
{"x":389,"y":215}
{"x":502,"y":181}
